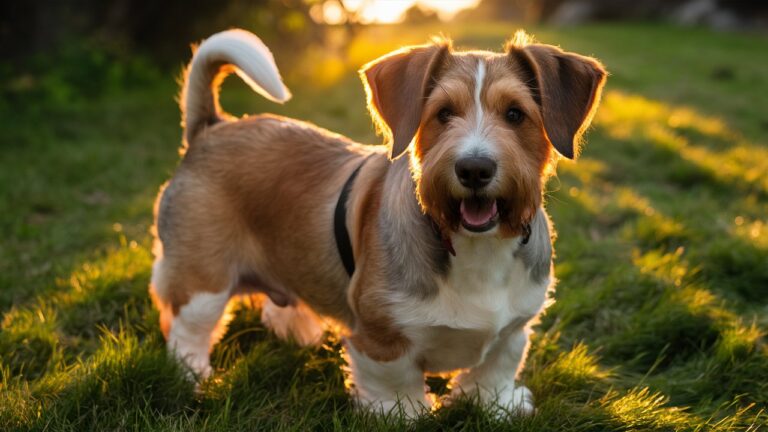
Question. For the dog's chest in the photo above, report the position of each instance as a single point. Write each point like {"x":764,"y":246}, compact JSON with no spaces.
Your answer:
{"x":486,"y":289}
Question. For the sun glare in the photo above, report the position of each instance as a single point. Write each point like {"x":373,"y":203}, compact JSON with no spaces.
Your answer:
{"x":446,"y":9}
{"x":386,"y":11}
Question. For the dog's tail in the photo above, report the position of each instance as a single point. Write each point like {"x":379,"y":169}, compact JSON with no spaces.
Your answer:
{"x":230,"y":51}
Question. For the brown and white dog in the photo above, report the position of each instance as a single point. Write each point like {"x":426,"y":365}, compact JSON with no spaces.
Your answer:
{"x":451,"y":251}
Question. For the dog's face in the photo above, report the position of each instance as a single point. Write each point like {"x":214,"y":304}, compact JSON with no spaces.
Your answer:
{"x":485,"y":126}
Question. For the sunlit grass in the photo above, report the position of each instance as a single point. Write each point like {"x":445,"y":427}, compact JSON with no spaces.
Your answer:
{"x":660,"y":314}
{"x":755,"y":231}
{"x":739,"y":342}
{"x":737,"y":161}
{"x":572,"y":370}
{"x":42,"y":336}
{"x":643,"y":409}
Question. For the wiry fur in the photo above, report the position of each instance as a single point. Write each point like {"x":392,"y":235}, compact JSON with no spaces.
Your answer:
{"x":250,"y":209}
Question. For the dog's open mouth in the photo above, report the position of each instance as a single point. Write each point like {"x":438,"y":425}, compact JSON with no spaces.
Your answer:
{"x":478,"y":214}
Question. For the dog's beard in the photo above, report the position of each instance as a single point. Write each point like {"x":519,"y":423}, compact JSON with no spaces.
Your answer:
{"x":513,"y":208}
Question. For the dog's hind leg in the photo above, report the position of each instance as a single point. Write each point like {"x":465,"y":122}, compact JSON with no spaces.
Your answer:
{"x":196,"y":328}
{"x":192,"y":328}
{"x":158,"y":291}
{"x":297,"y":322}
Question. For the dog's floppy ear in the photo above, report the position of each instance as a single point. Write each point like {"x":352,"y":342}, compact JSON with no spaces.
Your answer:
{"x":396,"y":86}
{"x":566,"y":86}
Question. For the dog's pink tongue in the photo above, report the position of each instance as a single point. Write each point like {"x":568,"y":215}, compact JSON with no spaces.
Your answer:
{"x":477,"y":214}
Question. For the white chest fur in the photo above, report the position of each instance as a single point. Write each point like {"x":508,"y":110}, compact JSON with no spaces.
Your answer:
{"x":486,"y":289}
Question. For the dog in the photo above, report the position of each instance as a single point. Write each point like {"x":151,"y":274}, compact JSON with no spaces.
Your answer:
{"x":431,"y":254}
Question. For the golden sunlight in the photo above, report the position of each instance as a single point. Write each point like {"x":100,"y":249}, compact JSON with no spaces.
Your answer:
{"x":384,"y":11}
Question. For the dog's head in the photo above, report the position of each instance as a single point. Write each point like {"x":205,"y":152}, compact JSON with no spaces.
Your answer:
{"x":484,"y":124}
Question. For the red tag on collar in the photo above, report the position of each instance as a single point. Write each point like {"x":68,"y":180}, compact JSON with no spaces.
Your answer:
{"x":448,"y":245}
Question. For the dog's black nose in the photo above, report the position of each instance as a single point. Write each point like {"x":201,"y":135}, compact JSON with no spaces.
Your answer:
{"x":475,"y":172}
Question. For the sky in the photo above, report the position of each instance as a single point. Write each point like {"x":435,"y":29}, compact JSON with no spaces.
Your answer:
{"x":390,"y":11}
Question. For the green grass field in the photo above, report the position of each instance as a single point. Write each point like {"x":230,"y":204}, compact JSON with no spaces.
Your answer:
{"x":662,"y":253}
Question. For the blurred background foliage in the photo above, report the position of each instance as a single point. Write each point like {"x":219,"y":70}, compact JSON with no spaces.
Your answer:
{"x":67,"y":50}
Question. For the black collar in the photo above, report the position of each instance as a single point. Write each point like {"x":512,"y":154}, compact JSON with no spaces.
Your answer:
{"x":344,"y":244}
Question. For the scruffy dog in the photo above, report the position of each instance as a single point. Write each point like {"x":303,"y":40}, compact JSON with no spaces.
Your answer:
{"x":433,"y":262}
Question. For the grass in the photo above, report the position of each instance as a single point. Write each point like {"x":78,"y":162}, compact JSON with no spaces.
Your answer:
{"x":662,"y":255}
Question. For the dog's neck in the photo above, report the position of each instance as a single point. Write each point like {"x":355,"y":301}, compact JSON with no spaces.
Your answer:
{"x":400,"y":201}
{"x":407,"y":231}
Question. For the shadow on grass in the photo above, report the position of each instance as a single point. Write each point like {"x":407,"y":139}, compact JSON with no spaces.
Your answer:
{"x":659,"y":311}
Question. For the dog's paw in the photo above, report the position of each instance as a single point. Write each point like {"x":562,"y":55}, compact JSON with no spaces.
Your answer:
{"x":197,"y":364}
{"x":202,"y":372}
{"x":518,"y":401}
{"x":407,"y":407}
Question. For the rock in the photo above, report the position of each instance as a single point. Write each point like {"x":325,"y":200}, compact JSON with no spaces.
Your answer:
{"x":694,"y":12}
{"x":573,"y":12}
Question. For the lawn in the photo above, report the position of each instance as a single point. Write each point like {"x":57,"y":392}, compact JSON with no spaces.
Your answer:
{"x":662,"y":252}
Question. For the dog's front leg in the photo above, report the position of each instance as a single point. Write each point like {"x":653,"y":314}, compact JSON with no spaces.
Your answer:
{"x":493,"y":380}
{"x":386,"y":386}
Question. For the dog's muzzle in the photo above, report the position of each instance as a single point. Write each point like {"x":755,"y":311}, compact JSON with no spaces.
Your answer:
{"x":478,"y":213}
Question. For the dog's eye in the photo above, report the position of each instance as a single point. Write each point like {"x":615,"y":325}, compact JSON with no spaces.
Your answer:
{"x":444,"y":115}
{"x":514,"y":116}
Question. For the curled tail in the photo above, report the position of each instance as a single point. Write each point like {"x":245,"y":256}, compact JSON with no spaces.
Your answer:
{"x":230,"y":51}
